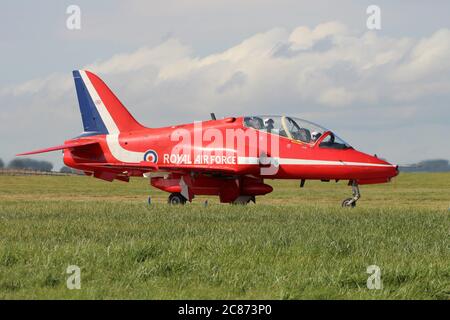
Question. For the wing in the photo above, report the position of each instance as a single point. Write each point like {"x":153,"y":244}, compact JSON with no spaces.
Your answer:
{"x":146,"y":166}
{"x":122,"y":171}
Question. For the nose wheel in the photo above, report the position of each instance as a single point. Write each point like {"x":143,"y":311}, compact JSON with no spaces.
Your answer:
{"x":351,"y":202}
{"x":176,"y":199}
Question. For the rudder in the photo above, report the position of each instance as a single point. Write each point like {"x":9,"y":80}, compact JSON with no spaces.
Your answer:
{"x":101,"y":111}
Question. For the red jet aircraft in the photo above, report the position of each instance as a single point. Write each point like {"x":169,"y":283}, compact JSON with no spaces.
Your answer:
{"x":229,"y":157}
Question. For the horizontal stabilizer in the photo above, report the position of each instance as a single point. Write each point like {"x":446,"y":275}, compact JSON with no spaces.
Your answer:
{"x":62,"y":147}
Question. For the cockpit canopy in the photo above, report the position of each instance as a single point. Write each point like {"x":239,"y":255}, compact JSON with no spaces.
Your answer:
{"x":296,"y":129}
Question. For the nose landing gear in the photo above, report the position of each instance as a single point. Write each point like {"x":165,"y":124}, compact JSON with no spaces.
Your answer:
{"x":351,"y":202}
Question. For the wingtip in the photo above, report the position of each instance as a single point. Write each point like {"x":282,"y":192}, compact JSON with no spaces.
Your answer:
{"x":25,"y":154}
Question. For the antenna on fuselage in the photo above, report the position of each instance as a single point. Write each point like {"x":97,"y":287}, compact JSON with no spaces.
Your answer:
{"x":213,"y":116}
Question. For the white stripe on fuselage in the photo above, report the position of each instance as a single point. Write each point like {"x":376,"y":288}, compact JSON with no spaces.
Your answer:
{"x":112,"y":139}
{"x":287,"y":161}
{"x":120,"y":153}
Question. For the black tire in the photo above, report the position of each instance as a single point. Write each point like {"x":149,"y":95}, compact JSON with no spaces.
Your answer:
{"x":348,"y":203}
{"x":244,"y":203}
{"x":176,"y":199}
{"x":239,"y":203}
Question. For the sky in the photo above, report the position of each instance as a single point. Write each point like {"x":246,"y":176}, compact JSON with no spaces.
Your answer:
{"x":384,"y":91}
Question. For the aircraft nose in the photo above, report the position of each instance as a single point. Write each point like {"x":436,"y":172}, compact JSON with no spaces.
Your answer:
{"x":376,"y":170}
{"x":388,"y":170}
{"x":392,"y":170}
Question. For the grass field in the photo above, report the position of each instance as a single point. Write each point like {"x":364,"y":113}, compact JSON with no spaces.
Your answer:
{"x":293,"y":244}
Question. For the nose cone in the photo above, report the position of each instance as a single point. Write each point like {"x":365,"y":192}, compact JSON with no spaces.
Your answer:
{"x":389,"y":170}
{"x":375,"y":170}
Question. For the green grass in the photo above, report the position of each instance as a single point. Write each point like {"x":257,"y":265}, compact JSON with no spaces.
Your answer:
{"x":293,"y":244}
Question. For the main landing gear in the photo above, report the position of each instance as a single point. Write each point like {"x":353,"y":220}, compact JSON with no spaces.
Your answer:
{"x":176,"y":198}
{"x":351,"y":202}
{"x":243,"y":200}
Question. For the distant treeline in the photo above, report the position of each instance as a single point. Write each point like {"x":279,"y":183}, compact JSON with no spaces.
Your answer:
{"x":66,"y":169}
{"x":36,"y":165}
{"x":436,"y":165}
{"x":31,"y":164}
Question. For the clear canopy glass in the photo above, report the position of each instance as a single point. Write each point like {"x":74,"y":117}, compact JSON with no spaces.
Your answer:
{"x":296,"y":129}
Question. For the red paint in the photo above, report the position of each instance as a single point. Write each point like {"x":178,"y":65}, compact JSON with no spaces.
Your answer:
{"x":224,"y":176}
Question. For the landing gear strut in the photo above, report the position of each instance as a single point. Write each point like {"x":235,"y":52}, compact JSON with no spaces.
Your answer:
{"x":351,"y":202}
{"x":176,"y":198}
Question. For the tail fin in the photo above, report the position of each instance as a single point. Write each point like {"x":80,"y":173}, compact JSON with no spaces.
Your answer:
{"x":101,"y":111}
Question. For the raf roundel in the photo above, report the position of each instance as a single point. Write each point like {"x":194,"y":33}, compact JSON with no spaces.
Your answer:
{"x":151,"y":156}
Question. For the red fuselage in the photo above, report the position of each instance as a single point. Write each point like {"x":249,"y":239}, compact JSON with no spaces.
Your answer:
{"x":230,"y":157}
{"x":215,"y":162}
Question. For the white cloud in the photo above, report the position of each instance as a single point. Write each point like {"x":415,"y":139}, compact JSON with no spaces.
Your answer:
{"x":160,"y":56}
{"x":304,"y":38}
{"x":342,"y":78}
{"x":336,"y":97}
{"x":429,"y":58}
